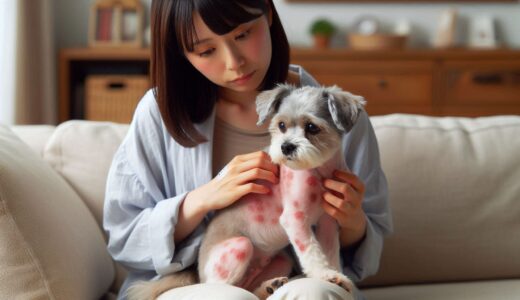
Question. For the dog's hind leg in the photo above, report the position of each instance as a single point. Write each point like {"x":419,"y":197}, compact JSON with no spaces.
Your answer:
{"x":273,"y":276}
{"x":227,"y":261}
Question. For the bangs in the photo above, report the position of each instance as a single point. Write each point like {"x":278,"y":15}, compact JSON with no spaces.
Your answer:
{"x":230,"y":15}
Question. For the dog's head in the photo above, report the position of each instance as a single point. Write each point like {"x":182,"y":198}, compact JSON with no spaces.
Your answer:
{"x":307,"y":123}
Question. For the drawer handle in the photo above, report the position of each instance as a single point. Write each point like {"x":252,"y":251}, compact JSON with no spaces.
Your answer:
{"x":488,"y":78}
{"x":116,"y":85}
{"x":382,"y":84}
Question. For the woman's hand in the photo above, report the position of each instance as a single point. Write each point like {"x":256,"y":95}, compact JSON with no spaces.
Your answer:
{"x":343,"y":202}
{"x":225,"y":190}
{"x":238,"y":180}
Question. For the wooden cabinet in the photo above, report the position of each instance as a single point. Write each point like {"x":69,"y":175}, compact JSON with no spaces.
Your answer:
{"x":77,"y":64}
{"x":486,"y":87}
{"x":433,"y":82}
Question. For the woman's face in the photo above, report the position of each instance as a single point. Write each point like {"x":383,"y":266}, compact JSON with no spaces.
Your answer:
{"x":237,"y":60}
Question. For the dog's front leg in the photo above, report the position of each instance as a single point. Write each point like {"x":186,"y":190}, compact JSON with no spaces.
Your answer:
{"x":328,"y":236}
{"x":314,"y":262}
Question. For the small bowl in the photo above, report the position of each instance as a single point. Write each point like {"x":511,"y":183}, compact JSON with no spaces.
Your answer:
{"x":377,"y":41}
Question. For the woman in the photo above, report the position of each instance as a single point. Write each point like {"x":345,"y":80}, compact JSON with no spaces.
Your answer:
{"x":210,"y":59}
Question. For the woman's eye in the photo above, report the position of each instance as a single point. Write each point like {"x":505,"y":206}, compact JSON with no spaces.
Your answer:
{"x":243,"y":35}
{"x":311,"y":128}
{"x":281,"y":126}
{"x":206,"y":53}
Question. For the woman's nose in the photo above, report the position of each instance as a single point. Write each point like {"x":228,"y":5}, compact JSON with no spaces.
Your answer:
{"x":234,"y":58}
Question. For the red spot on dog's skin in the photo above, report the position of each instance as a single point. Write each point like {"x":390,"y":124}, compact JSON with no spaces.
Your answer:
{"x":224,"y":258}
{"x":312,"y":181}
{"x":259,"y":219}
{"x":221,"y":271}
{"x":256,"y":206}
{"x":287,"y":176}
{"x":296,"y":204}
{"x":301,"y":246}
{"x":279,"y":209}
{"x":299,"y":215}
{"x":314,"y":197}
{"x":274,"y":221}
{"x":240,"y":255}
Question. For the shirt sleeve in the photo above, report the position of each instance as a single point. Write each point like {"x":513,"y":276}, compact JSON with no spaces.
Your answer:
{"x":141,"y":204}
{"x":361,"y":153}
{"x":362,"y":157}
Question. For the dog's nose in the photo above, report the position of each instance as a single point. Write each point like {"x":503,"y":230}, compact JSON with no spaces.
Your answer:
{"x":288,"y":148}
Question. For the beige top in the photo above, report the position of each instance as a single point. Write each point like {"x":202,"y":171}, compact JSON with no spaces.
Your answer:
{"x":230,"y":141}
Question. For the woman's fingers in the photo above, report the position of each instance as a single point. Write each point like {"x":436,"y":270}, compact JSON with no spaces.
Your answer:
{"x":256,"y":162}
{"x":256,"y":174}
{"x":351,"y":179}
{"x":247,"y":188}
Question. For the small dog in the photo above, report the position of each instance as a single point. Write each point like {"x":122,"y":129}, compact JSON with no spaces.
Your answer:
{"x":244,"y":243}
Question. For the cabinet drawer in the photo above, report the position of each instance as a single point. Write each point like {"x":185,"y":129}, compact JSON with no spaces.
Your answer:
{"x":385,"y":89}
{"x":489,"y":83}
{"x":381,"y":83}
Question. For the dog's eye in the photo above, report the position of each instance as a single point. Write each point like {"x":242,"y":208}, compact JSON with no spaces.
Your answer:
{"x":281,"y":125}
{"x":311,"y":128}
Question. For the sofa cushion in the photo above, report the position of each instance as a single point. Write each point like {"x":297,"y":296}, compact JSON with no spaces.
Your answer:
{"x":50,"y":245}
{"x":81,"y":152}
{"x":36,"y":136}
{"x":479,"y":290}
{"x":454,"y":194}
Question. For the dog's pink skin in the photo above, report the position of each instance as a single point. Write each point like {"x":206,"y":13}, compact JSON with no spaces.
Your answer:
{"x":272,"y":221}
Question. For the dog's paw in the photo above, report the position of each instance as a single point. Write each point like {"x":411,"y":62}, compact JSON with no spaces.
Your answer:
{"x":268,"y":287}
{"x":339,"y":279}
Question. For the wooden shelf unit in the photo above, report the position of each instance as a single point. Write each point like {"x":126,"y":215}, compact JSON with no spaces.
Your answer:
{"x":75,"y":64}
{"x":457,"y":82}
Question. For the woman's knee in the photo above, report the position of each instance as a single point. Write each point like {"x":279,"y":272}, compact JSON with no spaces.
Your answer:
{"x":310,"y":288}
{"x":214,"y":291}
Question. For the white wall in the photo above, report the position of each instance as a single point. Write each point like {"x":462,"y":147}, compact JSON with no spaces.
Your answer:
{"x":71,"y":18}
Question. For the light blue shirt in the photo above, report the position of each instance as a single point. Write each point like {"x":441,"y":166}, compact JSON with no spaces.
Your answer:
{"x":151,"y":174}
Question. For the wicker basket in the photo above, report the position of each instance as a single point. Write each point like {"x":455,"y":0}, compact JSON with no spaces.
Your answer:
{"x":113,"y":97}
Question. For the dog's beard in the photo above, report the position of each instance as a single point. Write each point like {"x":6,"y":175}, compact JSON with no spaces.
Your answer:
{"x":306,"y":155}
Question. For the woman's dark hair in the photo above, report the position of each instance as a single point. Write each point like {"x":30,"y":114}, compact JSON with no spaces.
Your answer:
{"x":184,"y":96}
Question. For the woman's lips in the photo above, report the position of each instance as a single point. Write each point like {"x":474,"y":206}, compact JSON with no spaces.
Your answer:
{"x":243,"y":79}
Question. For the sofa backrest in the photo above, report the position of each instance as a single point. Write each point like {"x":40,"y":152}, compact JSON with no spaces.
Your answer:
{"x":455,"y":197}
{"x":454,"y":191}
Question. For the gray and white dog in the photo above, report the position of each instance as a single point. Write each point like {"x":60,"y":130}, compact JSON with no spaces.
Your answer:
{"x":244,"y":243}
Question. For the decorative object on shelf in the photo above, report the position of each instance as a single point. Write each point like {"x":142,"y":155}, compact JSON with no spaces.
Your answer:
{"x":322,"y":30}
{"x":366,"y":25}
{"x":367,"y":35}
{"x":116,"y":23}
{"x":147,"y":36}
{"x":482,"y":33}
{"x":445,"y":36}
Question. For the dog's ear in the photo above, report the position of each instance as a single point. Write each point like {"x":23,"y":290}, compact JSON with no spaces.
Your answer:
{"x":268,"y":102}
{"x":344,"y":107}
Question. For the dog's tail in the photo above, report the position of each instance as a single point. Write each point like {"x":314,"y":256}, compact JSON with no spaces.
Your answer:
{"x":149,"y":290}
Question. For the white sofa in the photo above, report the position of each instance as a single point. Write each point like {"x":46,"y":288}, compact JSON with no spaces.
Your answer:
{"x":454,"y":191}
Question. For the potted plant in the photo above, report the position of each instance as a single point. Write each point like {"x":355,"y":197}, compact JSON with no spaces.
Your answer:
{"x":322,"y":30}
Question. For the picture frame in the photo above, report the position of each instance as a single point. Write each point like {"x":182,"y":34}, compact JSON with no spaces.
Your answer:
{"x":482,"y":33}
{"x":116,"y":23}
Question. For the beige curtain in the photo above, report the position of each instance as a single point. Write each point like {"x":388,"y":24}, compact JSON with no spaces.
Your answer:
{"x":35,"y":67}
